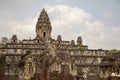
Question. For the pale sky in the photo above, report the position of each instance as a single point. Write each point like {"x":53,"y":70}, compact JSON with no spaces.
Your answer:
{"x":97,"y":21}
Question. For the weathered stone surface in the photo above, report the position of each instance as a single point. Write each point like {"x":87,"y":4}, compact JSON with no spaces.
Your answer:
{"x":46,"y":58}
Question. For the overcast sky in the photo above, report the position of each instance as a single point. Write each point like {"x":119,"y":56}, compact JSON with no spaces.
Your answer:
{"x":97,"y":21}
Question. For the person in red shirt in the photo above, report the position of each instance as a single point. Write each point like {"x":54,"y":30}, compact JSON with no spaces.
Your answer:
{"x":21,"y":77}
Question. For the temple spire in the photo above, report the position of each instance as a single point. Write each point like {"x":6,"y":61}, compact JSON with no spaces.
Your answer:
{"x":43,"y":26}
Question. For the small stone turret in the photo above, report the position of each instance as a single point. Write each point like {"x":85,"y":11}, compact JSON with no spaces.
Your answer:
{"x":79,"y":41}
{"x":72,"y":42}
{"x":14,"y":39}
{"x":59,"y":39}
{"x":43,"y":26}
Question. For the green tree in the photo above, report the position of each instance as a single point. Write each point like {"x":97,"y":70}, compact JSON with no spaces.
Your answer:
{"x":3,"y":41}
{"x":2,"y":66}
{"x":112,"y":51}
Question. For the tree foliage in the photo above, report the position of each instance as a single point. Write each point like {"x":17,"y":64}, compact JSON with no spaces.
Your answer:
{"x":3,"y":41}
{"x":2,"y":66}
{"x":112,"y":51}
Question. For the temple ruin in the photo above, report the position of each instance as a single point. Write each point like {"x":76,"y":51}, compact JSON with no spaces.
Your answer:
{"x":45,"y":58}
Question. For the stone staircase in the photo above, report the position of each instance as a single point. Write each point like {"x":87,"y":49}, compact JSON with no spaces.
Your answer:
{"x":52,"y":49}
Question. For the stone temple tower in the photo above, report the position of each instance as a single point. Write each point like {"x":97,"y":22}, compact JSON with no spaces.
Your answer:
{"x":43,"y":26}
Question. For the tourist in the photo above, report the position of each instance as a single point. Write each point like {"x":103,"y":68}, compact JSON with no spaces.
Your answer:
{"x":21,"y":77}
